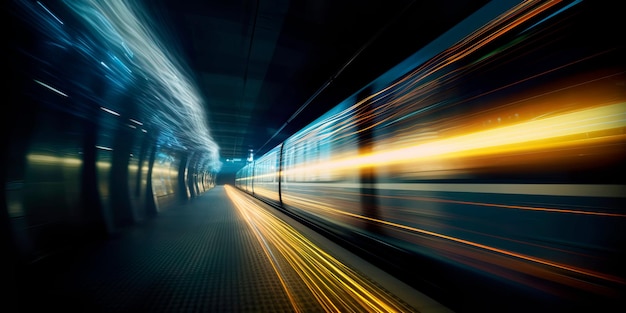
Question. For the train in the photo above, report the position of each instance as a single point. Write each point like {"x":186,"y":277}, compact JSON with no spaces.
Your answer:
{"x":486,"y":169}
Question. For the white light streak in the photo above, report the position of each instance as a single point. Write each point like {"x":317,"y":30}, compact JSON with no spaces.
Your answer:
{"x":103,"y":64}
{"x":135,"y":121}
{"x":109,"y":111}
{"x":55,"y":17}
{"x":104,"y":148}
{"x":51,"y":88}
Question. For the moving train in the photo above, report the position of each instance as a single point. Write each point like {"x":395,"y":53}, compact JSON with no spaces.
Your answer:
{"x":487,"y":168}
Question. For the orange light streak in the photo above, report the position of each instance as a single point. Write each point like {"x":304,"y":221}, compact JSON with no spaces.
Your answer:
{"x":546,"y":132}
{"x":321,"y":206}
{"x":506,"y":206}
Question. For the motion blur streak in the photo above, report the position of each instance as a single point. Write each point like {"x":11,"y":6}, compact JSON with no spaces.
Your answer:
{"x":498,"y":156}
{"x":336,"y":287}
{"x":474,"y":244}
{"x":51,"y":159}
{"x":587,"y":126}
{"x":51,"y":88}
{"x":516,"y":16}
{"x":241,"y":203}
{"x":516,"y":207}
{"x":571,"y":190}
{"x":170,"y":95}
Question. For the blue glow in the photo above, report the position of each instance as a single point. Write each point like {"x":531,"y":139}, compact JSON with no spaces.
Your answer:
{"x":553,"y":14}
{"x":168,"y":95}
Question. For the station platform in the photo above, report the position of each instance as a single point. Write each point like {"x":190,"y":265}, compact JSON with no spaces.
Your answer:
{"x":223,"y":251}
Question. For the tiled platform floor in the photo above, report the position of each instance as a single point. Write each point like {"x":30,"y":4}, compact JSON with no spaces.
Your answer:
{"x":198,"y":257}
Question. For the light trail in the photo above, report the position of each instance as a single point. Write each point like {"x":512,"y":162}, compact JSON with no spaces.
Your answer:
{"x":319,"y":205}
{"x":566,"y":190}
{"x":51,"y":88}
{"x":571,"y":129}
{"x":461,"y":118}
{"x":507,"y":206}
{"x":336,"y":287}
{"x":516,"y":138}
{"x":170,"y":96}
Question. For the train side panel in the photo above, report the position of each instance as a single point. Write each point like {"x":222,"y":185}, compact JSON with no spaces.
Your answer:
{"x":266,"y":176}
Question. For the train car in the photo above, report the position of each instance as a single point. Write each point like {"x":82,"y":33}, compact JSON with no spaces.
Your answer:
{"x":265,"y":173}
{"x":488,"y":171}
{"x":311,"y":184}
{"x":244,"y":178}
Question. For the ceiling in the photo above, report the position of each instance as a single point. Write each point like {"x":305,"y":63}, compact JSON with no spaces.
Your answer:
{"x":259,"y":64}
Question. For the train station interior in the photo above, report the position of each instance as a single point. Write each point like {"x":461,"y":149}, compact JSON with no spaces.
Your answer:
{"x":314,"y":156}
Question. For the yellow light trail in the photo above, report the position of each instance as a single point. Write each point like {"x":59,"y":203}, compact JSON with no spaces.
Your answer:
{"x":569,"y":129}
{"x":334,"y":285}
{"x":545,"y":132}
